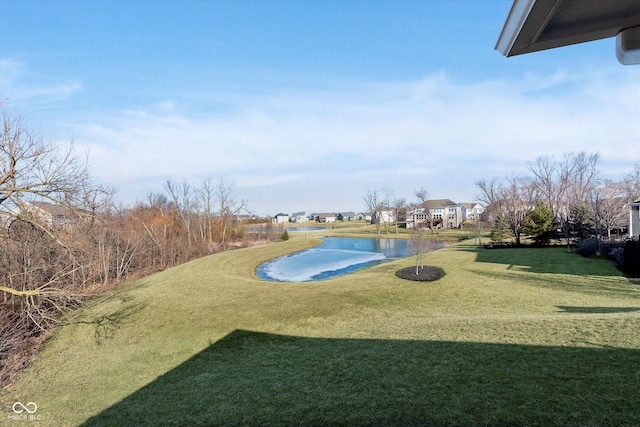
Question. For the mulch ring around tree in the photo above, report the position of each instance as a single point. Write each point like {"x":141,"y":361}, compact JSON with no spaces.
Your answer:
{"x":426,"y":273}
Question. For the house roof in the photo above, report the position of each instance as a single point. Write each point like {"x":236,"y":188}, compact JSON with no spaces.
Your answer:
{"x":439,"y":203}
{"x":535,"y":25}
{"x":50,"y":208}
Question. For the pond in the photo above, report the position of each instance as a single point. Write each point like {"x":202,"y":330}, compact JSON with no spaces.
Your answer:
{"x":278,"y":229}
{"x":335,"y":257}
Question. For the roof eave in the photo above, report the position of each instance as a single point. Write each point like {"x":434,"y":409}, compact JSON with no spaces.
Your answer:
{"x":520,"y":10}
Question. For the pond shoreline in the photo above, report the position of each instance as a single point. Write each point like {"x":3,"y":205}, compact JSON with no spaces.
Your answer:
{"x":335,"y":257}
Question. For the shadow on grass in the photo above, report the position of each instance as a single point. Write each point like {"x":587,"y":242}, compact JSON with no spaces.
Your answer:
{"x":251,"y":378}
{"x":597,"y":310}
{"x":551,"y":260}
{"x":605,"y":285}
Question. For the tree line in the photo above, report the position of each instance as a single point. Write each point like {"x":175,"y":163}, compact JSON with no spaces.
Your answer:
{"x":63,"y":238}
{"x":560,"y":198}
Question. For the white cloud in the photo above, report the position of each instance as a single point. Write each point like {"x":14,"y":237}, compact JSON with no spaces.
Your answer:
{"x":9,"y":70}
{"x":12,"y":74}
{"x":59,"y":91}
{"x":300,"y":146}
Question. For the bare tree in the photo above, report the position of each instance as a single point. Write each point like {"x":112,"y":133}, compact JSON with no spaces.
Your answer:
{"x":32,"y":170}
{"x":551,"y":182}
{"x":510,"y":201}
{"x":182,"y":197}
{"x":48,"y":204}
{"x":386,"y":210}
{"x":478,"y":228}
{"x":565,"y":184}
{"x":515,"y":205}
{"x":373,"y":205}
{"x":490,"y":196}
{"x":631,"y":184}
{"x":228,"y":207}
{"x":399,"y":208}
{"x":608,"y":203}
{"x":585,"y":176}
{"x":423,"y":196}
{"x":419,"y":245}
{"x":205,"y":194}
{"x":156,"y":221}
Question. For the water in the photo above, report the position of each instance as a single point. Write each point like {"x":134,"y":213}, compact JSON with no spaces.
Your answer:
{"x":278,"y":229}
{"x":335,"y":257}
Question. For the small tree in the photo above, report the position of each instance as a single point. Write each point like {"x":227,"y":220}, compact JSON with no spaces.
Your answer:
{"x":539,"y":223}
{"x":419,"y":245}
{"x":581,"y":221}
{"x":478,"y":228}
{"x":501,"y":230}
{"x":285,"y":235}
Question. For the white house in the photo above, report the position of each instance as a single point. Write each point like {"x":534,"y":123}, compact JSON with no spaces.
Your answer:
{"x":471,"y":210}
{"x":384,"y":215}
{"x":346,"y":216}
{"x":363,"y":216}
{"x":299,"y":217}
{"x":280,"y":218}
{"x":325,"y":217}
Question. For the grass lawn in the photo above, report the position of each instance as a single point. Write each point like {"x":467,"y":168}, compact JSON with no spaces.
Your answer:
{"x":507,"y":337}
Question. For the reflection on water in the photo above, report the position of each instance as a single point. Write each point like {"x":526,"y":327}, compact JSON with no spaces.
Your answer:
{"x":336,"y":256}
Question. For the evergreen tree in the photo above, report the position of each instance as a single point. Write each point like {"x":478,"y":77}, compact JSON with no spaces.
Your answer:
{"x":501,"y":229}
{"x":540,"y":224}
{"x":581,"y":221}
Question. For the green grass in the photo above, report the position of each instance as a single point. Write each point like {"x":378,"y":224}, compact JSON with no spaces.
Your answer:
{"x":507,"y":337}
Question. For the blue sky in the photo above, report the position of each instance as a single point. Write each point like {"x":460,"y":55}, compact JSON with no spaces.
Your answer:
{"x":307,"y":105}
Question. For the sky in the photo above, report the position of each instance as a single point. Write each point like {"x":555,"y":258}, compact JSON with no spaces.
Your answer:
{"x":306,"y":105}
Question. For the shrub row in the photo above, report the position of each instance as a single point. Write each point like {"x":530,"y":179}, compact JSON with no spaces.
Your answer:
{"x":588,"y":247}
{"x":626,"y":255}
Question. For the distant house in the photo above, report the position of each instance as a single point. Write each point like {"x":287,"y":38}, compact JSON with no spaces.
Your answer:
{"x":346,"y":216}
{"x":364,"y":216}
{"x":384,"y":215}
{"x":299,"y":217}
{"x":55,"y":216}
{"x":634,"y":219}
{"x":280,"y":218}
{"x":441,"y":213}
{"x":325,"y":217}
{"x":471,"y":210}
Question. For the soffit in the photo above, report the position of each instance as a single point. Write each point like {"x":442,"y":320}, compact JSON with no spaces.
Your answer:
{"x":535,"y":25}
